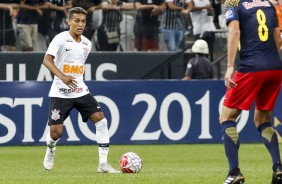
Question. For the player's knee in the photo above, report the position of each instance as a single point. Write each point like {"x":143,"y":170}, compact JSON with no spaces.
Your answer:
{"x":96,"y":117}
{"x":262,"y":117}
{"x":55,"y":135}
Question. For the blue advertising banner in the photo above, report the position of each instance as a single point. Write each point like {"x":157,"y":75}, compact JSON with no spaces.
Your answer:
{"x":138,"y":112}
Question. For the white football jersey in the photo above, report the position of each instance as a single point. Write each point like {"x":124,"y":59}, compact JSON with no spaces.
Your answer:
{"x":70,"y":57}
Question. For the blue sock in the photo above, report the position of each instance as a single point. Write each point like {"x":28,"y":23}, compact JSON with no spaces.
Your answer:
{"x":270,"y":141}
{"x":231,"y":143}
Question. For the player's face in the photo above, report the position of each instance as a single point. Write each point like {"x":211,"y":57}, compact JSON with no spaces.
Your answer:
{"x":77,"y":23}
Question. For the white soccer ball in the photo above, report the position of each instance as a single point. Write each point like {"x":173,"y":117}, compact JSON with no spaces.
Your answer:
{"x":130,"y":162}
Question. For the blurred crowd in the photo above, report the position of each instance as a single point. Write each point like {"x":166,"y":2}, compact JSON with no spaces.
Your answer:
{"x":112,"y":25}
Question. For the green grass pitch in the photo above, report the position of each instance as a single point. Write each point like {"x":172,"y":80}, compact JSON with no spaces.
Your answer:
{"x":162,"y":164}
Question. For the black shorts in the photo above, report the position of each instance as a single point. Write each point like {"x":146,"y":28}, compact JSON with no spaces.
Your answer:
{"x":60,"y":108}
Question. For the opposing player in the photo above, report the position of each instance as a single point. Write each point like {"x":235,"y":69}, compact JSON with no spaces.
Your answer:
{"x":65,"y":58}
{"x":253,"y":26}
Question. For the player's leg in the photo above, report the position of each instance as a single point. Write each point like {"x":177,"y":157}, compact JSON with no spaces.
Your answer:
{"x":59,"y":110}
{"x":231,"y":144}
{"x":93,"y":111}
{"x":266,"y":99}
{"x":103,"y":140}
{"x":262,"y":122}
{"x":235,"y":99}
{"x":51,"y":140}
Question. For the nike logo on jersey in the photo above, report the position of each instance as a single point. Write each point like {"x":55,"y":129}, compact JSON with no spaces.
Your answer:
{"x":68,"y":49}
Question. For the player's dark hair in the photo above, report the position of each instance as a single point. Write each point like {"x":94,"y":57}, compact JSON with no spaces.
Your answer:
{"x":76,"y":10}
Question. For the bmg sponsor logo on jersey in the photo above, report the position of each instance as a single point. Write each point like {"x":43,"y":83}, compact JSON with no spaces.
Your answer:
{"x":73,"y":69}
{"x":68,"y":91}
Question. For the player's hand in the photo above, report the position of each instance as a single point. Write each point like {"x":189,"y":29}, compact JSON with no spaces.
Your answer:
{"x":70,"y":81}
{"x":229,"y":83}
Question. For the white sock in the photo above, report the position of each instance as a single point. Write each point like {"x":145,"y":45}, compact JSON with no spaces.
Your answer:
{"x":102,"y":135}
{"x":103,"y":154}
{"x":50,"y":142}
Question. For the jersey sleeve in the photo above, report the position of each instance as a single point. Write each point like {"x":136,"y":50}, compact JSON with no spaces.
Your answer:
{"x":231,"y":10}
{"x":54,"y":46}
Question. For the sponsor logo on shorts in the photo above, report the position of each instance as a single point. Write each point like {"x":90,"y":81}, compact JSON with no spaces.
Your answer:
{"x":55,"y":114}
{"x":68,"y":91}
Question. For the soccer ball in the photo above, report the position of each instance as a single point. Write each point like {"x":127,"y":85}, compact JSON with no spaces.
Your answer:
{"x":130,"y":162}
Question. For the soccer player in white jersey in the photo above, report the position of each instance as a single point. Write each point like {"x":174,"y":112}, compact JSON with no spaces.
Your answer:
{"x":65,"y":58}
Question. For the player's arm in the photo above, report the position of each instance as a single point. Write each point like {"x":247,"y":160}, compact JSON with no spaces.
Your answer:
{"x":277,"y":38}
{"x":232,"y":45}
{"x":67,"y":79}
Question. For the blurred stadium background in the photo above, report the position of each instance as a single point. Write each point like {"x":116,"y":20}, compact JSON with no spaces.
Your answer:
{"x":172,"y":124}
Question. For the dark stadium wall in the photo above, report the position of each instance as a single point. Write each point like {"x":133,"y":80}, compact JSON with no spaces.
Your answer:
{"x":99,"y":66}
